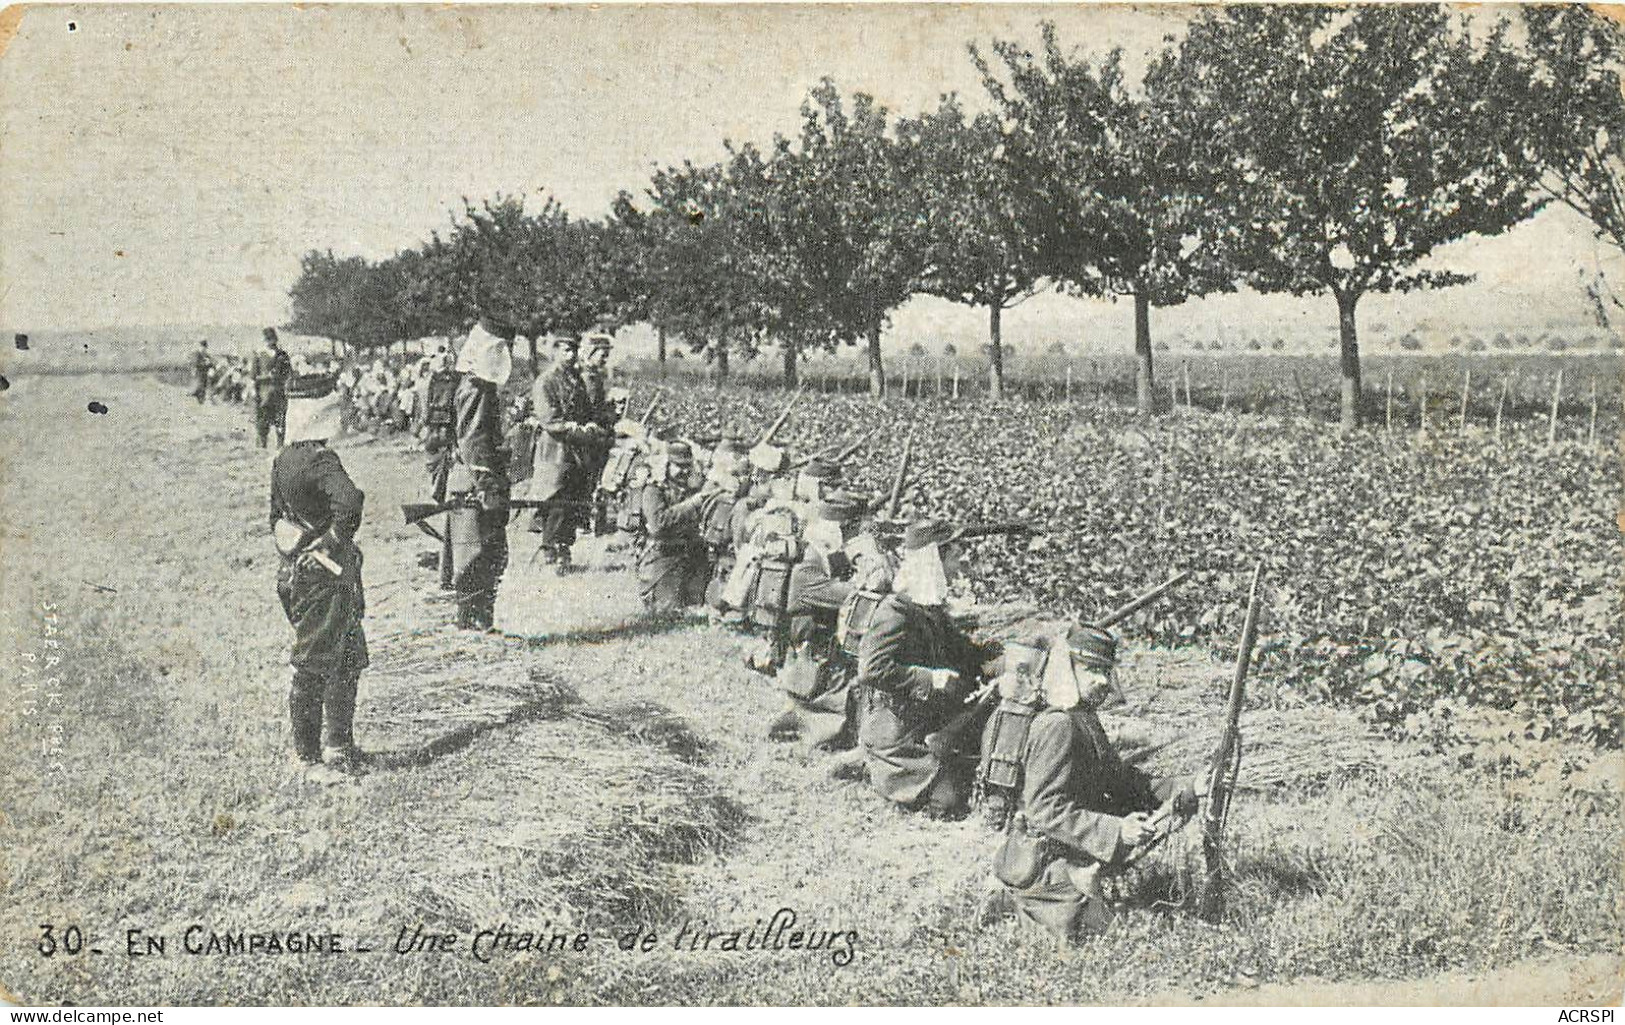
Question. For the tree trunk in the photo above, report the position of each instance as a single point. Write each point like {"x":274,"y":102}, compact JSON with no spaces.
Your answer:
{"x":995,"y":370}
{"x":1144,"y":374}
{"x":1348,"y":349}
{"x":660,"y":349}
{"x":535,"y":357}
{"x":877,"y":369}
{"x":722,"y":361}
{"x":789,"y":351}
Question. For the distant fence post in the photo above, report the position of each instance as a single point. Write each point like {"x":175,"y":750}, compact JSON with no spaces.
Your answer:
{"x":1591,"y":435}
{"x":1557,"y":394}
{"x":938,"y":362}
{"x":1069,"y":382}
{"x":1500,"y":404}
{"x":1466,"y":384}
{"x":956,"y":381}
{"x":1390,"y":404}
{"x":1224,"y":390}
{"x":1422,"y":406}
{"x":1186,"y":370}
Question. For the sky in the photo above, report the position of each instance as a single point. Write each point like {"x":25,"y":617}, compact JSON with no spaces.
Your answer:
{"x":169,"y":164}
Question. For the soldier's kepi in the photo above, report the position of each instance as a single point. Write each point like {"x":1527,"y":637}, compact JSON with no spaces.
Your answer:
{"x":315,"y":512}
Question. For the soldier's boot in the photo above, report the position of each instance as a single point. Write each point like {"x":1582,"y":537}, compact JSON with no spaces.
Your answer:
{"x":338,"y":741}
{"x":305,"y":716}
{"x":787,"y":725}
{"x":996,"y":903}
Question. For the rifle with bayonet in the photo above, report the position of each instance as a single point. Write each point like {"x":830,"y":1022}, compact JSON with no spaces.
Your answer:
{"x":949,"y":737}
{"x":894,"y":498}
{"x":1225,"y":764}
{"x":773,"y":428}
{"x":840,"y":456}
{"x":654,"y":404}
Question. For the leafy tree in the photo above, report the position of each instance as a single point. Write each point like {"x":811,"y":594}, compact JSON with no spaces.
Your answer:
{"x":1567,"y":120}
{"x":1115,"y":192}
{"x":844,"y":218}
{"x":974,"y":250}
{"x":1361,"y":140}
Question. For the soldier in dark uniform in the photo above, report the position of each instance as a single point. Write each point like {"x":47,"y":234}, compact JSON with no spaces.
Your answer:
{"x":270,"y":370}
{"x":440,"y":444}
{"x":478,"y":476}
{"x":1081,"y":810}
{"x":315,"y":511}
{"x":671,"y":563}
{"x":595,"y":378}
{"x":916,"y":667}
{"x":817,"y":676}
{"x":202,"y":366}
{"x":567,"y":436}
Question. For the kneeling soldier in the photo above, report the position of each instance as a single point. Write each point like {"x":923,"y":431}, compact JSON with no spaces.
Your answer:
{"x":315,"y":511}
{"x":916,"y":667}
{"x":1079,"y":809}
{"x":671,"y":564}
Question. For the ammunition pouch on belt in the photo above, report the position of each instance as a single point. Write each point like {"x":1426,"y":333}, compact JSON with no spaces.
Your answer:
{"x":857,"y":614}
{"x":997,"y":790}
{"x":1023,"y":856}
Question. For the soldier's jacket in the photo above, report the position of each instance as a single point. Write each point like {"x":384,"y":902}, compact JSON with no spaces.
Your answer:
{"x":478,"y":462}
{"x":904,"y":642}
{"x":309,"y":486}
{"x":596,"y":384}
{"x":1075,"y":789}
{"x":563,"y":409}
{"x":270,"y":372}
{"x":671,"y":524}
{"x":816,"y":596}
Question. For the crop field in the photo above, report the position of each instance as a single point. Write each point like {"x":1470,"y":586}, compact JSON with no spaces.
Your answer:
{"x":1430,"y":780}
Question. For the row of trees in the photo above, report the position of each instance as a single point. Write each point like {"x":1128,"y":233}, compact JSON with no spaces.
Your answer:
{"x":1304,"y":150}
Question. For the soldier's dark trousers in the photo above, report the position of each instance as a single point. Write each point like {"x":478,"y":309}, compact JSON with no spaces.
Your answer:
{"x":669,"y":581}
{"x":268,"y":415}
{"x":479,"y":549}
{"x":439,"y":466}
{"x":329,"y":653}
{"x":556,"y":522}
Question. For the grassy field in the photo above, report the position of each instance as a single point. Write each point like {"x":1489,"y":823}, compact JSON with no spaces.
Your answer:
{"x":586,"y":772}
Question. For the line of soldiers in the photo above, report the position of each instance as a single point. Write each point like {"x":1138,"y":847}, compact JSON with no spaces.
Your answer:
{"x":853,"y":608}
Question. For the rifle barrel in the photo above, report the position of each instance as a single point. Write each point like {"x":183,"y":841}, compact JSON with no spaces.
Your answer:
{"x":895,"y":498}
{"x":1122,"y":612}
{"x":1244,"y":655}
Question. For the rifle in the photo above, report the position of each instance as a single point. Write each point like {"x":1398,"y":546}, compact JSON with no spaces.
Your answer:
{"x":654,"y":404}
{"x":1226,"y":762}
{"x":894,"y":498}
{"x":947,"y":739}
{"x":842,"y":455}
{"x":417,"y":512}
{"x":773,"y":428}
{"x":1007,"y":528}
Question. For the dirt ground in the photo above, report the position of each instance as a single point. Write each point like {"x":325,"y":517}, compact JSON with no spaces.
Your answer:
{"x":581,"y":771}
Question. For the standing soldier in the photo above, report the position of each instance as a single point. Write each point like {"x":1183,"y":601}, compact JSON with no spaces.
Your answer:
{"x":595,"y":378}
{"x":1078,"y":808}
{"x":201,"y":366}
{"x":479,"y":477}
{"x":561,"y":410}
{"x":315,"y":511}
{"x":916,"y":667}
{"x":271,"y":370}
{"x":671,"y":563}
{"x":440,"y":444}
